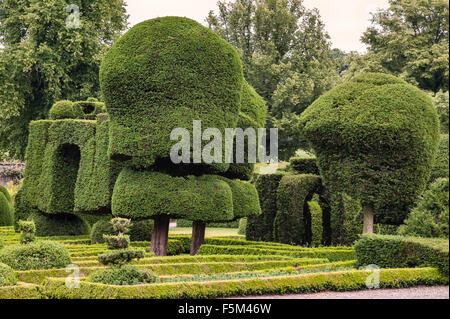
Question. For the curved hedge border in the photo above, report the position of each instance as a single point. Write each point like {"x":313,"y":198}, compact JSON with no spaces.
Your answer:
{"x":305,"y":283}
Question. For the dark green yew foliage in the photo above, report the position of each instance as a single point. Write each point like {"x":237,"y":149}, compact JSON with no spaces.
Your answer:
{"x":6,"y":208}
{"x":260,"y":228}
{"x":83,"y":110}
{"x":292,"y":224}
{"x":163,"y":74}
{"x":441,"y":167}
{"x":253,"y":114}
{"x":144,"y":194}
{"x":304,"y":165}
{"x":68,"y":172}
{"x":375,"y":138}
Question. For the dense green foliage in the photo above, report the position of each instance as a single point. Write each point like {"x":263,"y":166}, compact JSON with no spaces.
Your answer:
{"x":67,"y":172}
{"x":120,"y":258}
{"x":303,"y":283}
{"x":375,"y":138}
{"x":6,"y":208}
{"x":401,"y":252}
{"x":43,"y":59}
{"x":163,"y":74}
{"x":36,"y":255}
{"x":410,"y":38}
{"x":58,"y":224}
{"x":304,"y":165}
{"x":292,"y":224}
{"x":140,"y":230}
{"x":286,"y":55}
{"x":441,"y":163}
{"x":126,"y":275}
{"x":242,"y":226}
{"x":82,"y":110}
{"x":430,"y":217}
{"x":7,"y":276}
{"x":261,"y":227}
{"x":144,"y":194}
{"x":316,"y":222}
{"x":252,"y":115}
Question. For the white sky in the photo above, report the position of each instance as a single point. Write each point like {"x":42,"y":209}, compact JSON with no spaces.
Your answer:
{"x":345,"y":20}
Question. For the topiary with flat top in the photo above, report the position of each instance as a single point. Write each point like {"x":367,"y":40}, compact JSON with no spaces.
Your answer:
{"x":375,"y":137}
{"x":163,"y":74}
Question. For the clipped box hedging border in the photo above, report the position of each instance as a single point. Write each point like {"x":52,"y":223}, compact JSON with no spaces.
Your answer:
{"x":330,"y":254}
{"x":37,"y":276}
{"x":388,"y":251}
{"x":304,"y":283}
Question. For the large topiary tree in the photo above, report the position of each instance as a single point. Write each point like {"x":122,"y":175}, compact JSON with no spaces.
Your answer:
{"x":375,"y":138}
{"x":163,"y":74}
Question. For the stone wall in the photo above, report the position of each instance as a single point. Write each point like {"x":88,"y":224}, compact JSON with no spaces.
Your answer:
{"x":11,"y":172}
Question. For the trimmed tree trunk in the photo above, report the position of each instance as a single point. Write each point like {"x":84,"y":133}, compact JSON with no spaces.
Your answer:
{"x":198,"y":236}
{"x":368,"y":220}
{"x":160,"y":235}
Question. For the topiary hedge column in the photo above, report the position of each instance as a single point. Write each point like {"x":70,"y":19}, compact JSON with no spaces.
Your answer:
{"x":375,"y":138}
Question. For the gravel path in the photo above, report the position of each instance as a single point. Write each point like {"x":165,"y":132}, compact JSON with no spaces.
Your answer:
{"x":420,"y":292}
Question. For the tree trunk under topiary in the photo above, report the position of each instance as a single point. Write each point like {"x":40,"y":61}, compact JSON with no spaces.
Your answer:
{"x":160,"y":235}
{"x":198,"y":236}
{"x":368,"y":220}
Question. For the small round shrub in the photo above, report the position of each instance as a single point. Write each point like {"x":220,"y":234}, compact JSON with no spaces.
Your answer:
{"x":6,"y":208}
{"x":36,"y":255}
{"x":7,"y":276}
{"x":58,"y":224}
{"x":430,"y":217}
{"x":117,"y":241}
{"x":27,"y":230}
{"x":141,"y":230}
{"x":375,"y":138}
{"x":62,"y":110}
{"x":126,"y":275}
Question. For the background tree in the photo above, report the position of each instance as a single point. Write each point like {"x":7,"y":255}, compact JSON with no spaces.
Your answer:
{"x":410,"y":38}
{"x":286,"y":57}
{"x":43,"y":59}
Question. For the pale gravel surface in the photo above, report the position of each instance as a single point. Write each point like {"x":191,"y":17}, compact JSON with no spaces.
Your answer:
{"x":420,"y":292}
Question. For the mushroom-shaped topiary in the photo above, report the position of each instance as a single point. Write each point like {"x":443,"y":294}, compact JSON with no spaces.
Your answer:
{"x":163,"y":74}
{"x":375,"y":138}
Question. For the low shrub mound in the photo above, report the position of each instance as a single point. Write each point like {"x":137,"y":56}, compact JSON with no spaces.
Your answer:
{"x":36,"y":255}
{"x":7,"y":276}
{"x":401,"y":252}
{"x":430,"y":217}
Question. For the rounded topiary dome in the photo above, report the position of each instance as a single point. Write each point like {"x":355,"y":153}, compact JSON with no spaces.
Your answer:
{"x":163,"y":74}
{"x":375,"y":138}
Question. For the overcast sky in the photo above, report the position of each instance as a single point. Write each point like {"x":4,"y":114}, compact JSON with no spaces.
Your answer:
{"x":345,"y":20}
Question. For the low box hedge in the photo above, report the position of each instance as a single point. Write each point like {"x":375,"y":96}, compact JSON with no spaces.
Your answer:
{"x":37,"y":276}
{"x":304,"y":283}
{"x":20,"y":291}
{"x":388,"y":251}
{"x":330,"y":254}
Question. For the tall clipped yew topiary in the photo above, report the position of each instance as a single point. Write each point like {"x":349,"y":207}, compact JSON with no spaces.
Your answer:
{"x":375,"y":138}
{"x":164,"y":74}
